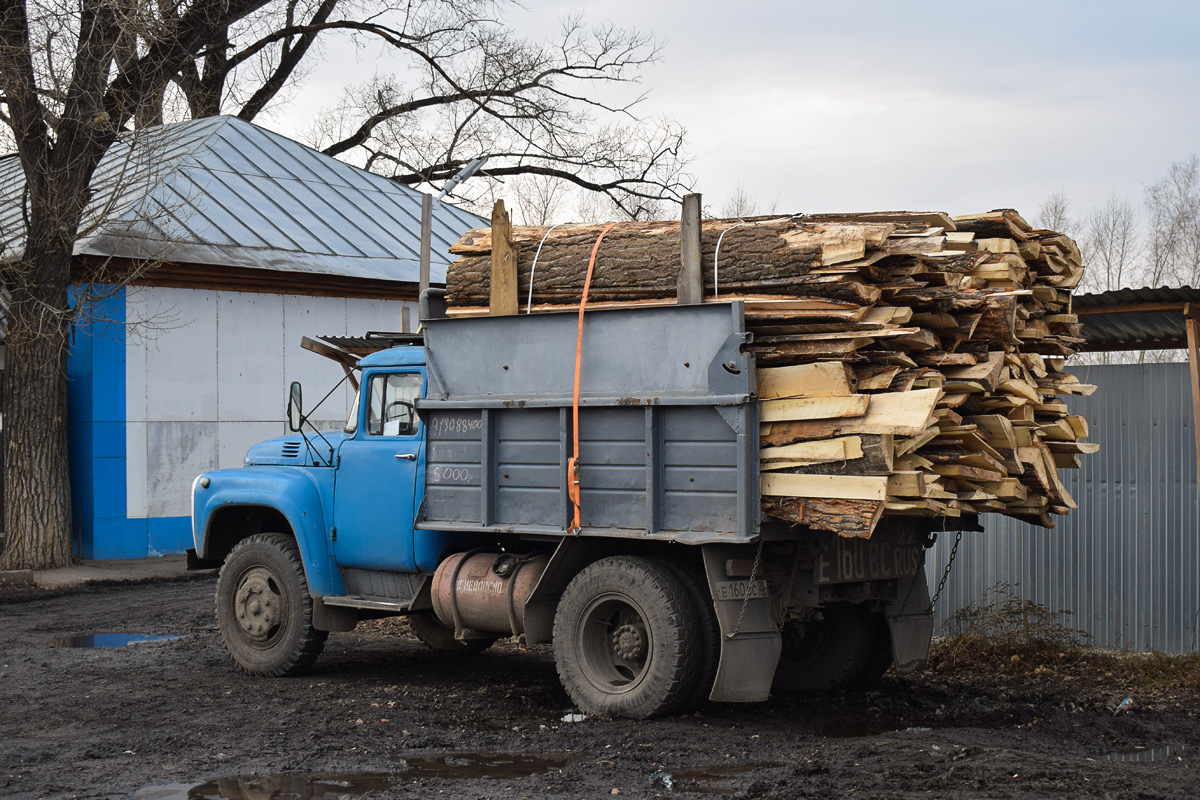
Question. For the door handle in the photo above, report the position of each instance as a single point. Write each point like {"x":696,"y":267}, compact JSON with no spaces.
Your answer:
{"x":408,"y":456}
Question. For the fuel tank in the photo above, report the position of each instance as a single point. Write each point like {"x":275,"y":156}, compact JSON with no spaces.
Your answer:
{"x":488,"y":590}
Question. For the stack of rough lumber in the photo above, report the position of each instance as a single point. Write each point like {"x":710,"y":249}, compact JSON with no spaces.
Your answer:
{"x":909,"y":363}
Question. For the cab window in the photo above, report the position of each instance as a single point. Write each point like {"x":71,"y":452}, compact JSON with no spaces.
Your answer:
{"x":391,"y":404}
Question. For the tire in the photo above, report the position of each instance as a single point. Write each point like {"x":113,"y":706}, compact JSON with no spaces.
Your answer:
{"x":626,"y":639}
{"x":436,"y":636}
{"x":880,"y":658}
{"x":264,"y":610}
{"x":828,"y":654}
{"x":696,"y":583}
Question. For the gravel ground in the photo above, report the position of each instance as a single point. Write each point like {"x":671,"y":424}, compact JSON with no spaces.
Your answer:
{"x":380,"y":716}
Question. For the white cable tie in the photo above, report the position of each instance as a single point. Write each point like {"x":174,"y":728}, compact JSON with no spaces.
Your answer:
{"x":532,"y":269}
{"x":717,"y":253}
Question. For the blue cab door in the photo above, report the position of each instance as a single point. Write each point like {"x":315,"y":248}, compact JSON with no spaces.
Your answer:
{"x":374,"y":499}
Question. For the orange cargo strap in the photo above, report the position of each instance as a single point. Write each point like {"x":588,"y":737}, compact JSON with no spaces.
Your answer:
{"x":573,"y":461}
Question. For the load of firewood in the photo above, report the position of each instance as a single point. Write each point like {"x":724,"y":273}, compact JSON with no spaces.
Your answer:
{"x":908,"y":363}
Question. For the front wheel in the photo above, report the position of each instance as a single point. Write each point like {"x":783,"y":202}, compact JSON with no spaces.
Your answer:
{"x":626,"y":639}
{"x":264,"y":610}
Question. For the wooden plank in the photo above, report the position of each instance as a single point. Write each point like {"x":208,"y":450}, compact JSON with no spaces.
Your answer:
{"x":503,"y":299}
{"x":847,"y":447}
{"x":874,"y":378}
{"x":907,"y":483}
{"x":986,"y":372}
{"x":810,"y":408}
{"x":823,"y":379}
{"x":898,"y":413}
{"x":970,"y":473}
{"x":876,"y":459}
{"x":1021,"y":389}
{"x":918,"y":441}
{"x":837,"y":487}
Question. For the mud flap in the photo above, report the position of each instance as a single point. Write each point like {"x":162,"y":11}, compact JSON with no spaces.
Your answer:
{"x":332,"y":618}
{"x":750,"y":640}
{"x":911,"y":625}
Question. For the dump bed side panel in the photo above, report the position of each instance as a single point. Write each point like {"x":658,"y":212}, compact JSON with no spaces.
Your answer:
{"x":668,"y":424}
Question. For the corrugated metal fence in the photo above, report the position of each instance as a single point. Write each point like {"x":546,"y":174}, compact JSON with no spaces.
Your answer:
{"x":1127,"y":562}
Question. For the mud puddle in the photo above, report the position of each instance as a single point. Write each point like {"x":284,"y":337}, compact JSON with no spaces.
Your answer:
{"x":713,"y":779}
{"x":339,"y":786}
{"x":94,"y":640}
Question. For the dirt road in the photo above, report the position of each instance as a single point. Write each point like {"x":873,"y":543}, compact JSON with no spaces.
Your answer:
{"x":382,"y":717}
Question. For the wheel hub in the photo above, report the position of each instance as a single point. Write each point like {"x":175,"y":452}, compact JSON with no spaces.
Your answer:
{"x":628,"y":643}
{"x":259,"y":605}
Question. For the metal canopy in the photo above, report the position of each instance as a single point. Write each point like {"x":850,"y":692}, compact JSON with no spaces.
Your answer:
{"x":1135,"y":319}
{"x":1146,"y":318}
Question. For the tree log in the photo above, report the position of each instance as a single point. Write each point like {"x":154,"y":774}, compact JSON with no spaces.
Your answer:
{"x":851,"y":518}
{"x":641,"y":260}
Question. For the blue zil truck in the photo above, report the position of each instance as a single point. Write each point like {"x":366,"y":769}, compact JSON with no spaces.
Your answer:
{"x":482,"y":490}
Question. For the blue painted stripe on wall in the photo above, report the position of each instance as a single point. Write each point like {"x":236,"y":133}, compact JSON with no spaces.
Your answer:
{"x":96,"y":438}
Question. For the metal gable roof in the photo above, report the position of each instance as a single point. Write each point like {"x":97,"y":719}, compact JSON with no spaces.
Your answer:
{"x":221,"y":191}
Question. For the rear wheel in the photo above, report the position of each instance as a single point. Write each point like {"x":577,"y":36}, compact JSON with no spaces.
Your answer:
{"x":436,"y":636}
{"x":829,"y":653}
{"x":626,"y":639}
{"x":707,"y":626}
{"x":880,"y":658}
{"x":264,"y":610}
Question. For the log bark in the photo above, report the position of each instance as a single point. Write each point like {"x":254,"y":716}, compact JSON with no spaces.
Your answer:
{"x":850,"y":518}
{"x":641,"y":260}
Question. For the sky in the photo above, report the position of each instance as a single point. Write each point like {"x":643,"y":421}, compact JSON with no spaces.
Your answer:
{"x":960,"y":107}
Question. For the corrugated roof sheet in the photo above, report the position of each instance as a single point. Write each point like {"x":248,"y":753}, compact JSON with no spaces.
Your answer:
{"x":1135,"y":319}
{"x":222,"y":191}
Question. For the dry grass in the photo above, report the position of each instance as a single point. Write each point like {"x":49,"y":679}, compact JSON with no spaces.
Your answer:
{"x":1007,"y":636}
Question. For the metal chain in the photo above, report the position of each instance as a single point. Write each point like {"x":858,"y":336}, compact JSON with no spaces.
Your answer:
{"x":783,"y":606}
{"x":946,"y":574}
{"x":746,"y":599}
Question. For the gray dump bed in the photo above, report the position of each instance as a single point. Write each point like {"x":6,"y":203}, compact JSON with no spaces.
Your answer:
{"x":668,"y":424}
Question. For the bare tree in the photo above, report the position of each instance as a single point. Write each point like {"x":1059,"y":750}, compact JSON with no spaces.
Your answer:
{"x":464,"y":84}
{"x":592,"y":207}
{"x":1111,"y":246}
{"x":742,"y":204}
{"x":70,"y":79}
{"x":1055,"y":214}
{"x":1173,"y":235}
{"x":539,"y":199}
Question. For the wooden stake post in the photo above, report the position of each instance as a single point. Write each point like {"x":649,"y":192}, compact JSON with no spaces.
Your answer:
{"x":1193,"y":348}
{"x":691,"y":279}
{"x":504,"y":264}
{"x":426,"y":240}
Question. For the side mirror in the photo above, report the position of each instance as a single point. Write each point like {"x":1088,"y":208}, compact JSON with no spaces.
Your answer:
{"x":295,"y":413}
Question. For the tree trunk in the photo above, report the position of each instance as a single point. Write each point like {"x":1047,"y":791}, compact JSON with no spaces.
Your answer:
{"x":37,"y":507}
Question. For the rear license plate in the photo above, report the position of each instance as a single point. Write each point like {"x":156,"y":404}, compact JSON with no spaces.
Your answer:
{"x":739,"y":590}
{"x":848,"y":560}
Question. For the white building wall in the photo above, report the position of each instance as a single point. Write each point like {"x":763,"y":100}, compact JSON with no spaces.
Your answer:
{"x":207,"y":373}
